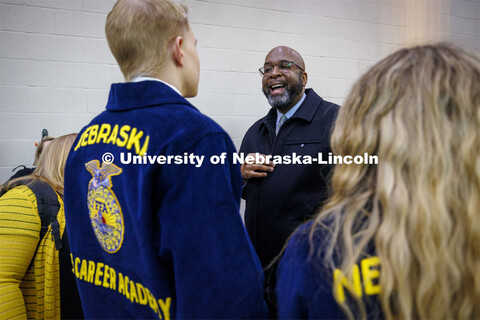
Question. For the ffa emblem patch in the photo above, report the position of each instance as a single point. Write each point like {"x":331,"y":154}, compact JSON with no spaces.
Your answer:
{"x":103,"y":207}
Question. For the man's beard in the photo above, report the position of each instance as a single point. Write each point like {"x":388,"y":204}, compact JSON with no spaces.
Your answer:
{"x":285,"y":100}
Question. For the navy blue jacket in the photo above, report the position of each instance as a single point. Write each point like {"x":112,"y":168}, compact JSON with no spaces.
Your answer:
{"x":305,"y":281}
{"x":278,"y":203}
{"x":158,"y":240}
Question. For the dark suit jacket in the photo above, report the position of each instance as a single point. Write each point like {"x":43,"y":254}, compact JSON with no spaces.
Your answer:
{"x":278,"y":203}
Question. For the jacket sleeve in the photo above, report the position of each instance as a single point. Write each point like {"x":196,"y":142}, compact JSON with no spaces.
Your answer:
{"x":217,"y":273}
{"x":245,"y":149}
{"x":19,"y":236}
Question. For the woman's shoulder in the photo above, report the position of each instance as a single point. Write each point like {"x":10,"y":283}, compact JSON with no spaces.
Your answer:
{"x":19,"y":214}
{"x":21,"y":195}
{"x":305,"y":250}
{"x":304,"y":288}
{"x":307,"y":236}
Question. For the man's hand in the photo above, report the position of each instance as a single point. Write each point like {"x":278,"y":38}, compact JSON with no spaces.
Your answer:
{"x":256,"y":170}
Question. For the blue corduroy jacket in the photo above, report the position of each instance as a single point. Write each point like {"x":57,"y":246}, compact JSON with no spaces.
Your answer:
{"x":161,"y":238}
{"x":306,"y":281}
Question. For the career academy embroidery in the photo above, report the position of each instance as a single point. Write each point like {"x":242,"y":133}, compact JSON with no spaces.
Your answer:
{"x":103,"y":206}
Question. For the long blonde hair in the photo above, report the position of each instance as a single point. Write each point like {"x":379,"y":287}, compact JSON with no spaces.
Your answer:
{"x":40,"y":147}
{"x":51,"y":164}
{"x":418,"y":110}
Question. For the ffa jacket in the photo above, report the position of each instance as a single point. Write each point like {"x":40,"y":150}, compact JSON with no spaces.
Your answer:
{"x":154,"y":231}
{"x":286,"y":197}
{"x":306,"y":284}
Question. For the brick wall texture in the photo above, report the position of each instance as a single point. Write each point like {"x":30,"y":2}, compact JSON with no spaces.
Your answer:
{"x":56,"y":68}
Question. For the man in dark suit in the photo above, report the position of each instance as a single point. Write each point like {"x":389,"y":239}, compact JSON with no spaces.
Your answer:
{"x":279,"y":197}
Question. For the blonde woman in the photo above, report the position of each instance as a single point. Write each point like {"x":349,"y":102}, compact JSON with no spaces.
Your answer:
{"x":26,"y":171}
{"x":35,"y":272}
{"x":401,"y":239}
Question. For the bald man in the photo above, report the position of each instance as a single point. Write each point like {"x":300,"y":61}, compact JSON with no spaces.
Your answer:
{"x":281,"y":196}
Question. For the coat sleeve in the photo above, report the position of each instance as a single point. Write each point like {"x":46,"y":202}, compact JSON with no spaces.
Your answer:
{"x":217,"y":273}
{"x":245,"y":149}
{"x":19,"y":236}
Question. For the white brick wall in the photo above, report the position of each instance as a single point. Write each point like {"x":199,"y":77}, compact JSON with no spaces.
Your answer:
{"x":56,"y":68}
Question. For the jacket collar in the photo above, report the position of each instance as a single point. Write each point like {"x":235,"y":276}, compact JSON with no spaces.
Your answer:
{"x":306,"y":111}
{"x":135,"y":95}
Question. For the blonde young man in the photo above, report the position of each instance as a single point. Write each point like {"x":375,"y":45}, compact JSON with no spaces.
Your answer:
{"x":153,"y":223}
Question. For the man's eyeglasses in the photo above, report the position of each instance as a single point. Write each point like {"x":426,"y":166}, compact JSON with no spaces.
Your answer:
{"x":282,"y":66}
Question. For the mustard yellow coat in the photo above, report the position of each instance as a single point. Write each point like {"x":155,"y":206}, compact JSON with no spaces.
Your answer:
{"x":29,"y":270}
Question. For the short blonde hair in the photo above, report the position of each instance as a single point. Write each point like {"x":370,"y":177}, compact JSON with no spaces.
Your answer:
{"x":139,"y":31}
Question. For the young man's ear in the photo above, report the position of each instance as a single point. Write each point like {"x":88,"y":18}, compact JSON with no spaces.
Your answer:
{"x":177,"y":52}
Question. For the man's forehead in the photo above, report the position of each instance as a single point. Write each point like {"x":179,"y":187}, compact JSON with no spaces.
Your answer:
{"x":283,"y":53}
